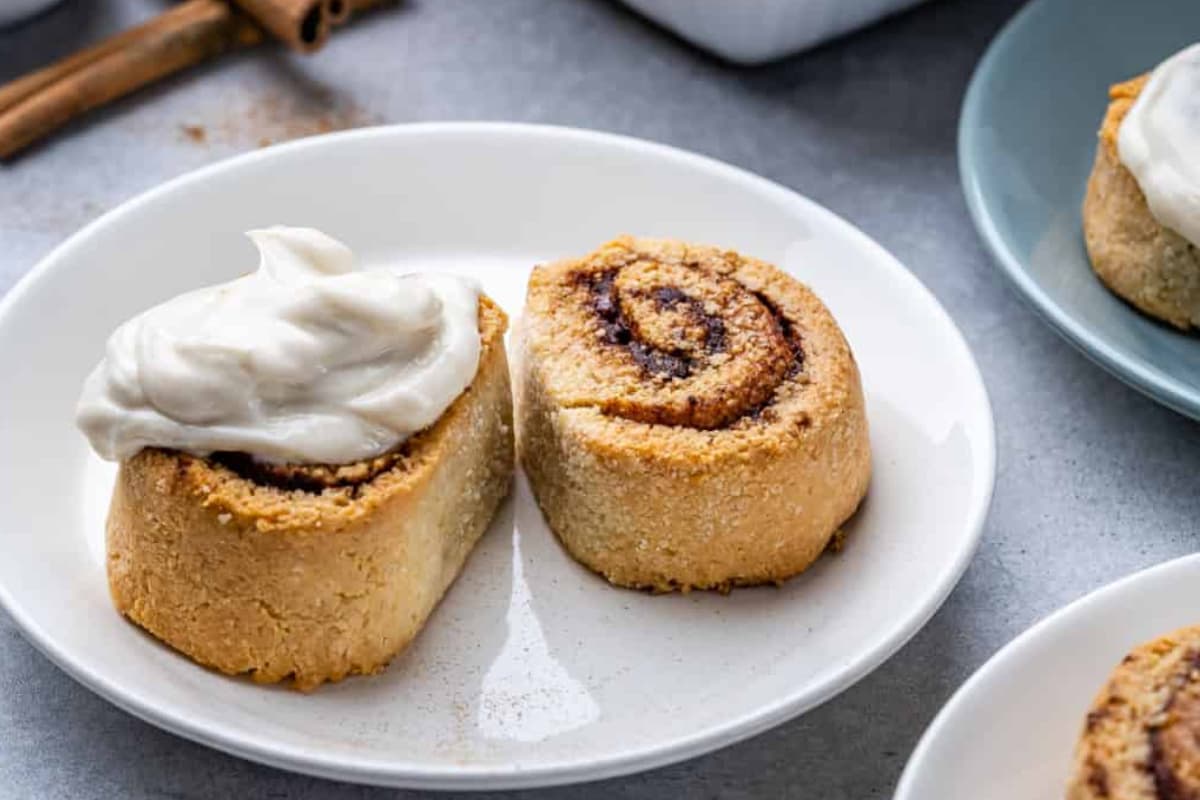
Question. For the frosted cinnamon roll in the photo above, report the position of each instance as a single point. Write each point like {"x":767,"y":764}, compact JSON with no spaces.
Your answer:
{"x":1141,"y":212}
{"x":1141,"y":738}
{"x":688,"y":417}
{"x":307,"y":455}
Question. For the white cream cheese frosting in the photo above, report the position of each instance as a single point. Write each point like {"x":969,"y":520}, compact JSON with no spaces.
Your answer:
{"x":306,"y":360}
{"x":1159,"y":142}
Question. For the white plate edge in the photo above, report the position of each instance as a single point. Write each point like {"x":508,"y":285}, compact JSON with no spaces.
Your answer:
{"x":1054,"y":619}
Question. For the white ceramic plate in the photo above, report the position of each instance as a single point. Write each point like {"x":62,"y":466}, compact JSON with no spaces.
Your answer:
{"x":1010,"y":731}
{"x":532,"y":671}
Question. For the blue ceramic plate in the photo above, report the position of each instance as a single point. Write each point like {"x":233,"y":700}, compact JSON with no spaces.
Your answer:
{"x":1025,"y":145}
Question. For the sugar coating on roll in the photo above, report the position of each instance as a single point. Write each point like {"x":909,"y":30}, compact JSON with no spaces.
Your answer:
{"x":688,"y":417}
{"x":1141,"y":737}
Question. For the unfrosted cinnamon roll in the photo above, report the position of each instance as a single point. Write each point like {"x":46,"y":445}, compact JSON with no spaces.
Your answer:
{"x":688,"y":417}
{"x":1141,"y":738}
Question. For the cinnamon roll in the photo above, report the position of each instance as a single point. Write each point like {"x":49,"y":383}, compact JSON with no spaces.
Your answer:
{"x":1141,"y":738}
{"x":307,"y":455}
{"x":308,"y":572}
{"x":1139,"y":212}
{"x":688,"y":417}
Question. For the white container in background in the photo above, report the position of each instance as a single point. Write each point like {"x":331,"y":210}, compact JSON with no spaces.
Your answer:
{"x":754,"y":31}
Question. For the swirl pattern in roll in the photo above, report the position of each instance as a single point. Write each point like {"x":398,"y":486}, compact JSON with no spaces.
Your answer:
{"x":688,"y":417}
{"x":1141,"y":738}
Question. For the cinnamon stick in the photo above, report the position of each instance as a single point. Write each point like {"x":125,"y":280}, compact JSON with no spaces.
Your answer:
{"x":187,"y":34}
{"x":338,"y":11}
{"x":302,"y":25}
{"x":17,"y":90}
{"x":37,"y":104}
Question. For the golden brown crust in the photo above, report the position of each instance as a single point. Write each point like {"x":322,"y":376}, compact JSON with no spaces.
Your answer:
{"x":1147,"y":264}
{"x":737,"y":470}
{"x":1120,"y":99}
{"x":1141,"y":737}
{"x":319,"y":583}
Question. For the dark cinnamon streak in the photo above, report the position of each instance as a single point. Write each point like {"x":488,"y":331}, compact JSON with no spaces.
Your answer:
{"x":1097,"y":778}
{"x":1167,"y":784}
{"x":618,"y":331}
{"x":666,"y":297}
{"x":312,"y":478}
{"x":789,"y":333}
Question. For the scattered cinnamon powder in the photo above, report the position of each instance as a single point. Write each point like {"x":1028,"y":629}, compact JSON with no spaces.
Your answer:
{"x":196,"y":133}
{"x":277,"y":116}
{"x":837,"y":542}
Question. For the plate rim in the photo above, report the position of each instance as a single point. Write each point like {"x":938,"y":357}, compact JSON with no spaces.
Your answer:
{"x":512,"y":775}
{"x":1054,"y":619}
{"x":1131,"y":370}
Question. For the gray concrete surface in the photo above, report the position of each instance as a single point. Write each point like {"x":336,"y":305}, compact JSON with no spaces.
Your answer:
{"x":1095,"y":481}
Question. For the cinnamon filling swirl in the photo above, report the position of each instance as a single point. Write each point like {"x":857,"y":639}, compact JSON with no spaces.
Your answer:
{"x":311,"y":478}
{"x":686,"y":343}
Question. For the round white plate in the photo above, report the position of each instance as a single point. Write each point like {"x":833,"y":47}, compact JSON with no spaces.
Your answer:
{"x":533,"y":671}
{"x":1010,"y":731}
